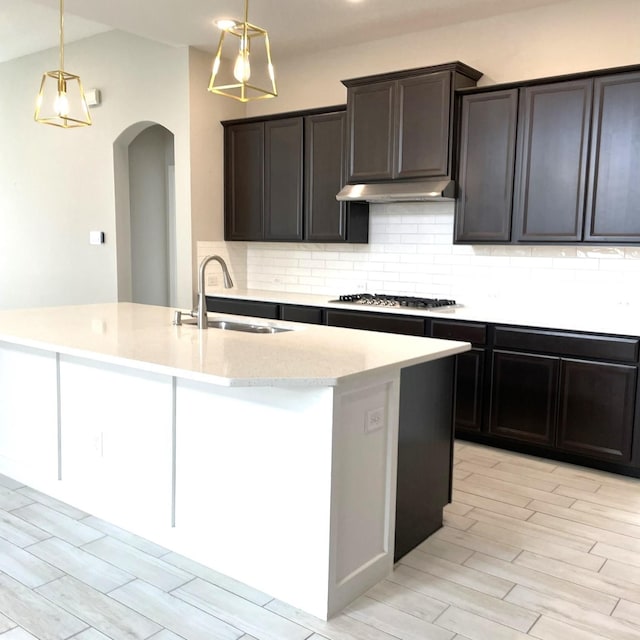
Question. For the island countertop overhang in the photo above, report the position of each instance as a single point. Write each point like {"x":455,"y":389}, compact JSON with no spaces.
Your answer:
{"x":143,"y":337}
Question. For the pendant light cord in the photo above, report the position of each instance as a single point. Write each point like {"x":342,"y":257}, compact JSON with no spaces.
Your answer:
{"x":61,"y":35}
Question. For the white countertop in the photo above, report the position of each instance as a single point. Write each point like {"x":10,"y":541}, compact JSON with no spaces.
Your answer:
{"x":569,"y":316}
{"x":143,"y":337}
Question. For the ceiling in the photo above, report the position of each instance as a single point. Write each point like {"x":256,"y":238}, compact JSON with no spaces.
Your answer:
{"x":295,"y":26}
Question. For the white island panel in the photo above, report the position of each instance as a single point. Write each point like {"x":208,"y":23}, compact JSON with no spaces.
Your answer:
{"x":28,"y":414}
{"x":257,"y":471}
{"x":116,"y":443}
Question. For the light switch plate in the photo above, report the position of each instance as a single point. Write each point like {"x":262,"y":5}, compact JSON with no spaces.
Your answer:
{"x":96,"y":237}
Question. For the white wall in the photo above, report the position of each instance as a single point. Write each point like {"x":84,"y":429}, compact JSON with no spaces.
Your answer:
{"x":57,"y":185}
{"x":411,"y":247}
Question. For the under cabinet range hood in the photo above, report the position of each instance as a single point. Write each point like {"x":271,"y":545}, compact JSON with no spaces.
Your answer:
{"x":397,"y":191}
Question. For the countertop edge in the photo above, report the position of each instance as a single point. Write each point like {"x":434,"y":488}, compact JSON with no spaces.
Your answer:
{"x":95,"y":332}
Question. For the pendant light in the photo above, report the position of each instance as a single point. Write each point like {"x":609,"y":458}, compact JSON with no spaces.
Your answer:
{"x":61,"y":101}
{"x":247,"y":78}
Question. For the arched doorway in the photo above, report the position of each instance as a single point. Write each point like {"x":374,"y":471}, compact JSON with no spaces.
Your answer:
{"x":145,"y":214}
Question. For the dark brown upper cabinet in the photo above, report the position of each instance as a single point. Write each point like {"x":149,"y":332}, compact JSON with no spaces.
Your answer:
{"x":244,"y":181}
{"x":282,"y":174}
{"x":400,"y":124}
{"x":613,"y":199}
{"x":326,"y":219}
{"x":574,"y":161}
{"x":371,"y":132}
{"x":486,"y":166}
{"x":551,"y":164}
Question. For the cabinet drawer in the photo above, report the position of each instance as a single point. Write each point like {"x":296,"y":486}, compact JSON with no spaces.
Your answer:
{"x":300,"y":313}
{"x":568,"y":344}
{"x":243,"y":307}
{"x":465,"y":331}
{"x":376,"y":322}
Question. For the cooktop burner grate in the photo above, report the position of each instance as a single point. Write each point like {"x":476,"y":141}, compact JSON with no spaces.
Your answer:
{"x":386,"y":300}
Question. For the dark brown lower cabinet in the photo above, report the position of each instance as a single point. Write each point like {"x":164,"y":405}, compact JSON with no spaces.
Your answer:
{"x":597,"y":409}
{"x":582,"y":408}
{"x":469,"y":382}
{"x":389,"y":323}
{"x":524,"y":396}
{"x":301,"y":313}
{"x":469,"y":372}
{"x":241,"y":307}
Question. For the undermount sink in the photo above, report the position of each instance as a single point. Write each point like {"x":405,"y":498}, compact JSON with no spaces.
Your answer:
{"x":228,"y":325}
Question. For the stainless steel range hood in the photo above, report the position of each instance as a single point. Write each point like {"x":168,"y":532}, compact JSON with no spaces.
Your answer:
{"x":396,"y":191}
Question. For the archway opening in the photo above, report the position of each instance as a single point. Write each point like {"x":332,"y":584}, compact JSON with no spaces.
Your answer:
{"x":145,"y":214}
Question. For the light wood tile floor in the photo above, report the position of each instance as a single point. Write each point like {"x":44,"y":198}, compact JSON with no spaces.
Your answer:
{"x":530,"y":549}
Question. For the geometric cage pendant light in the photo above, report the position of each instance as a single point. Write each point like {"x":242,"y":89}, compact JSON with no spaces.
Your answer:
{"x":61,"y":101}
{"x":243,"y":70}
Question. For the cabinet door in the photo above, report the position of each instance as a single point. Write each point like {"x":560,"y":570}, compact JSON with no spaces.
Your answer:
{"x":283,"y":179}
{"x":597,"y":402}
{"x":553,"y":135}
{"x":423,"y":119}
{"x":324,"y":170}
{"x":486,"y":167}
{"x":370,"y":110}
{"x":524,"y":393}
{"x":469,"y":383}
{"x":244,"y":186}
{"x":613,"y":203}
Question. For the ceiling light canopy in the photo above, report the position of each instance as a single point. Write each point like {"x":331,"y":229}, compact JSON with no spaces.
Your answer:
{"x":61,"y":101}
{"x":251,"y":76}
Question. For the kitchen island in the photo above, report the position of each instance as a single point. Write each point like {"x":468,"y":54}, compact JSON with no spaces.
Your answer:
{"x":270,"y":457}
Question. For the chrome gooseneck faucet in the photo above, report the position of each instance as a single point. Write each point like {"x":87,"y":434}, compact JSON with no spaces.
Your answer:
{"x":202,"y":302}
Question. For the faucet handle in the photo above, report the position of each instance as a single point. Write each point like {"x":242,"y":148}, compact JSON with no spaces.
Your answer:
{"x":177,"y":318}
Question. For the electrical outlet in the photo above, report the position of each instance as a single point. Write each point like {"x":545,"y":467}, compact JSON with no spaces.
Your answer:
{"x":212,"y":280}
{"x":374,"y":420}
{"x":97,"y":444}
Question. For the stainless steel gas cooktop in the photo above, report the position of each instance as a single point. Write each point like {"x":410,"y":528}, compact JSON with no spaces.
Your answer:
{"x":386,"y":300}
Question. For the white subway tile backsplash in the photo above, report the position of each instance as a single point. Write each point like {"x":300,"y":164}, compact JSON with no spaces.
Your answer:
{"x":601,"y":252}
{"x":554,"y":252}
{"x":310,"y":263}
{"x":511,"y":251}
{"x":339,"y":264}
{"x":411,"y":251}
{"x":576,"y":263}
{"x":521,"y":262}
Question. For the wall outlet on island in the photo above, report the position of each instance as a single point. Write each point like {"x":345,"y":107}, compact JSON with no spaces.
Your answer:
{"x":361,"y":286}
{"x":374,"y":420}
{"x":212,"y":280}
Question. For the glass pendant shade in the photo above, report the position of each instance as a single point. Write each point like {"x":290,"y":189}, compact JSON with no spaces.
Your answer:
{"x":61,"y":101}
{"x":242,"y":67}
